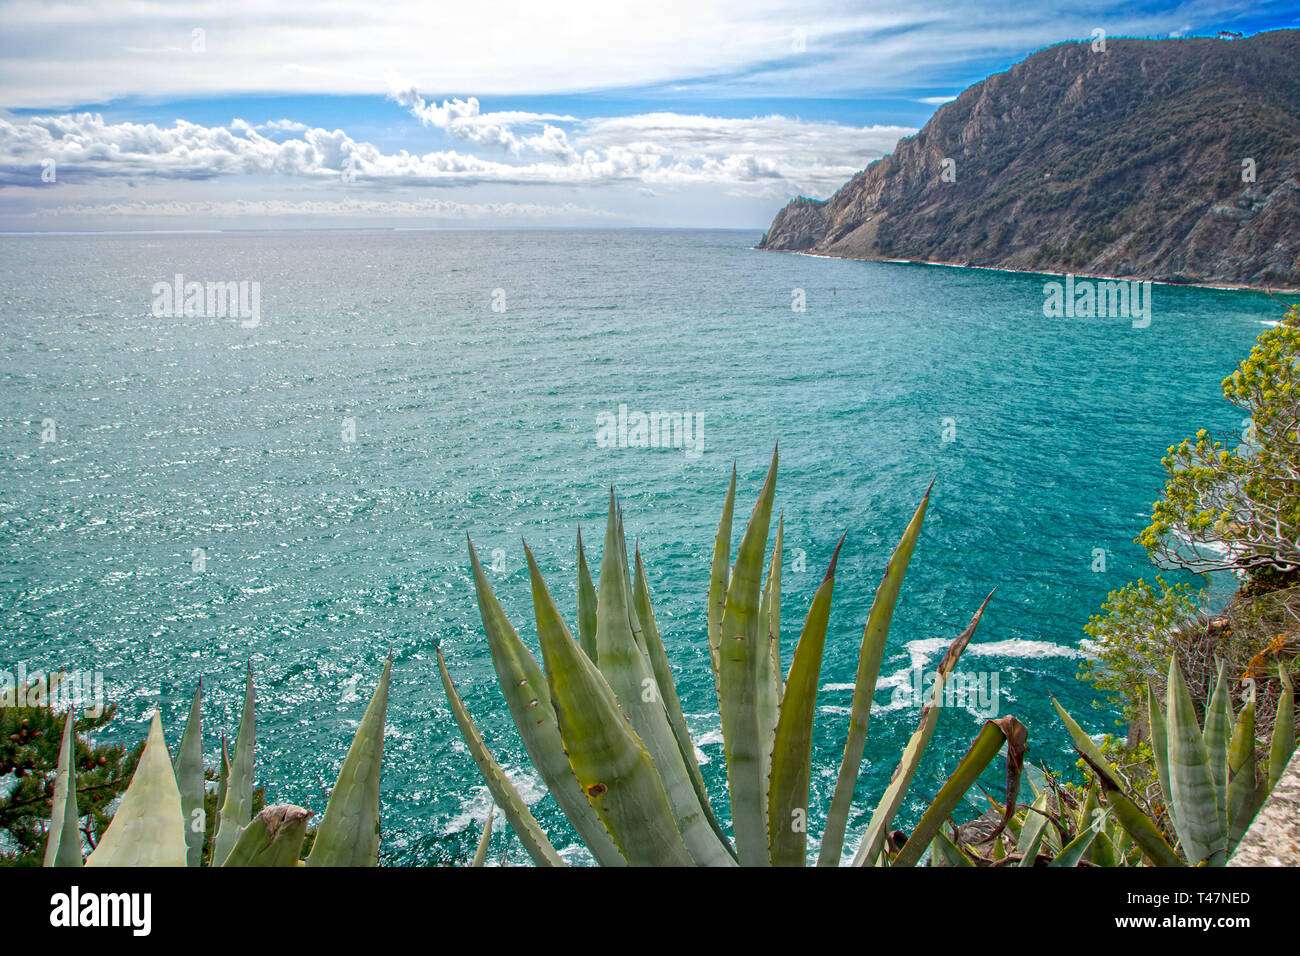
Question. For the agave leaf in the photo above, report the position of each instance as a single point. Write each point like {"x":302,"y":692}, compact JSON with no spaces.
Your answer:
{"x":870,"y":653}
{"x":625,"y":664}
{"x":772,"y":604}
{"x":1103,"y":852}
{"x":1283,"y":744}
{"x":1135,"y":824}
{"x":668,"y":690}
{"x":946,"y":853}
{"x":1075,"y":850}
{"x":237,"y":809}
{"x":739,"y":658}
{"x":1133,"y":821}
{"x":1089,"y":809}
{"x":1159,"y":746}
{"x":611,"y":763}
{"x":1218,"y":736}
{"x":792,"y":748}
{"x":63,"y":838}
{"x":484,"y":841}
{"x":223,"y":774}
{"x":1031,"y":832}
{"x":768,"y":685}
{"x":223,"y":780}
{"x":719,"y":576}
{"x":147,"y":829}
{"x":273,"y":838}
{"x":999,"y":851}
{"x":189,"y":780}
{"x":586,"y":604}
{"x":503,"y":791}
{"x":1245,"y":790}
{"x":349,"y":833}
{"x":529,"y":699}
{"x":1030,"y":851}
{"x":896,"y":792}
{"x":1197,"y":820}
{"x":1005,"y":730}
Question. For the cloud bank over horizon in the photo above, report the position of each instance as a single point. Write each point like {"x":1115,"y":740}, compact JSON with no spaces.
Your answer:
{"x":680,"y":114}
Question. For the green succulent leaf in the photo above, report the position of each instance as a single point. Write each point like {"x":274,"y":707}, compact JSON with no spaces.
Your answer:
{"x":147,"y":829}
{"x":349,"y":833}
{"x":899,"y":783}
{"x":719,"y":577}
{"x":792,"y":748}
{"x":527,"y":828}
{"x":63,"y":838}
{"x":189,"y":780}
{"x":769,"y":682}
{"x":611,"y":762}
{"x":237,"y":809}
{"x":528,"y":697}
{"x":946,"y":853}
{"x":1283,"y":744}
{"x":273,"y":838}
{"x":1031,"y":832}
{"x":1074,"y":851}
{"x":1246,"y":791}
{"x":625,"y":664}
{"x":586,"y":604}
{"x":1134,"y":822}
{"x":992,"y":737}
{"x":485,"y":840}
{"x":739,"y":657}
{"x":1218,"y":737}
{"x":668,"y":690}
{"x":1197,"y":819}
{"x":1159,"y":745}
{"x":1029,"y":852}
{"x":870,"y":653}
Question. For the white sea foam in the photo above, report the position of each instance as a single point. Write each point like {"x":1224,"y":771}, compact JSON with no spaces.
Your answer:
{"x":475,"y":806}
{"x":708,"y":738}
{"x":922,"y":652}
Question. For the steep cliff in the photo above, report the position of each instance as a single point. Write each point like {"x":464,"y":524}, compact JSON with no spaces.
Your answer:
{"x":1176,"y":160}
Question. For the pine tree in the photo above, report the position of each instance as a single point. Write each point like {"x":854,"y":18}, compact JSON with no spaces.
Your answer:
{"x":29,"y":751}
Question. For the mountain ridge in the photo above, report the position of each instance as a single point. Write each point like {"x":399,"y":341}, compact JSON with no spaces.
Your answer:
{"x":1128,"y":162}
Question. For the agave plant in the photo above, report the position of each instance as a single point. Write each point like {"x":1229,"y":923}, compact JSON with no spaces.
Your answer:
{"x":603,"y":725}
{"x":1061,"y":828}
{"x":160,"y":821}
{"x":1211,"y":780}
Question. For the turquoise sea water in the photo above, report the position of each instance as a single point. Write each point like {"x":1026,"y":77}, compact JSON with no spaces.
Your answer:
{"x":321,"y":555}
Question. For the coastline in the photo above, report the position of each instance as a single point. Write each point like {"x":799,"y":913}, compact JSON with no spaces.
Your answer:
{"x":1221,"y":286}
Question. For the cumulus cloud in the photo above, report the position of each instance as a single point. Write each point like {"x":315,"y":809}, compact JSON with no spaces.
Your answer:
{"x":771,"y":154}
{"x":463,"y":119}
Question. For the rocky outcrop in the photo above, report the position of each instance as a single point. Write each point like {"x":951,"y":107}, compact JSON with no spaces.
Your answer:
{"x":1175,"y":160}
{"x":1274,"y":836}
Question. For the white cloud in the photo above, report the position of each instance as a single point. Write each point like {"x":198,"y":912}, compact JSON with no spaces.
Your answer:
{"x":772,"y":155}
{"x":64,"y":53}
{"x":463,"y":119}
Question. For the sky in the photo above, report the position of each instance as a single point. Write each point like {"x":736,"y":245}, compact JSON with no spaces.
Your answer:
{"x":172,"y":115}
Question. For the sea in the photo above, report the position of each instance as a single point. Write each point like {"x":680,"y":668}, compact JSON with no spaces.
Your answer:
{"x":193,"y":484}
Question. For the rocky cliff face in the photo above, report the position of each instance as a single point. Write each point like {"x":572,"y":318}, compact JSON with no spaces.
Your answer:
{"x":1175,"y":160}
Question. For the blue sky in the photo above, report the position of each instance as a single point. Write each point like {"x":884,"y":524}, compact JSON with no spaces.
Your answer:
{"x":149,"y":114}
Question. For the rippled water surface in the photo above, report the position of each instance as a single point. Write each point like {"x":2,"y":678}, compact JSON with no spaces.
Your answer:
{"x":321,"y":555}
